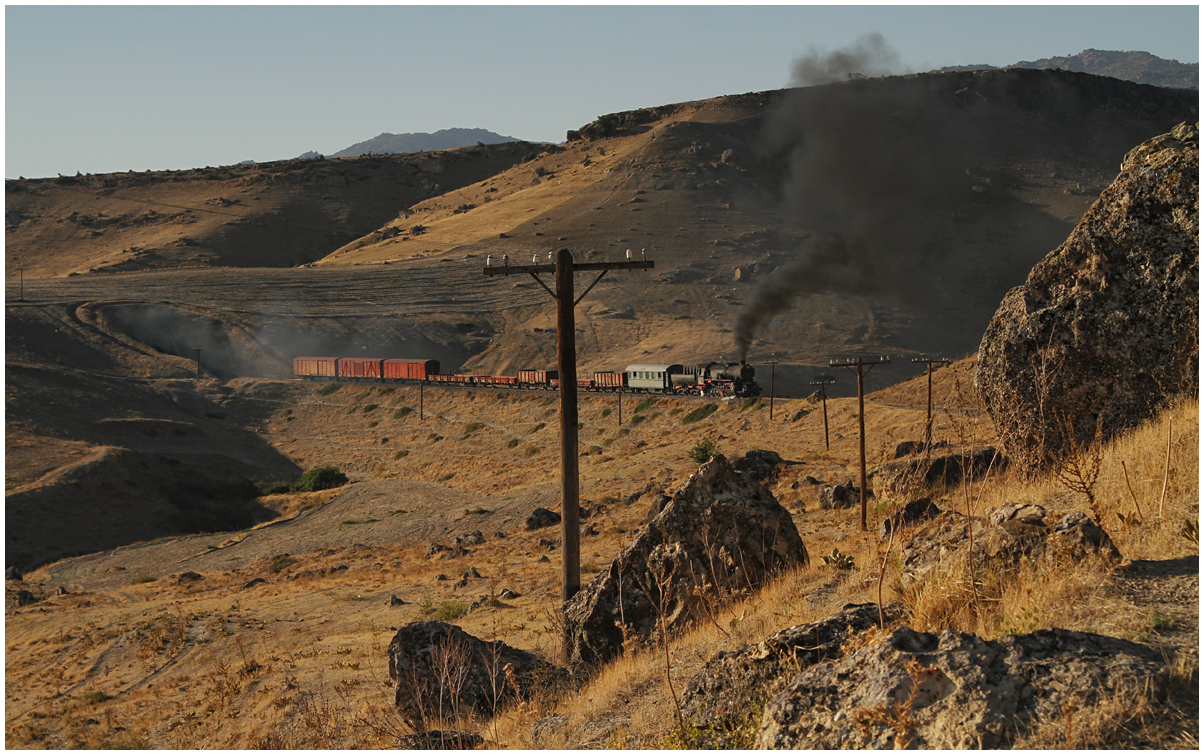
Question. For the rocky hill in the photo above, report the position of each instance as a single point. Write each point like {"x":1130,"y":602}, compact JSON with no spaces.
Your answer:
{"x":448,"y":138}
{"x":933,"y":194}
{"x":1137,"y":66}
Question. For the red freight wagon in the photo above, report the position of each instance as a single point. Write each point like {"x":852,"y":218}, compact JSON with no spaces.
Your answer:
{"x":452,"y":378}
{"x":314,"y":367}
{"x":508,"y":380}
{"x":609,"y":380}
{"x":537,"y":377}
{"x":410,"y":369}
{"x":360,"y":368}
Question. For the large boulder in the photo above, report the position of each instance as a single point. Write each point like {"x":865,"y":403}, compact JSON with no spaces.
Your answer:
{"x":441,"y":673}
{"x":1107,"y":325}
{"x":905,"y":689}
{"x":718,"y":699}
{"x":723,"y":532}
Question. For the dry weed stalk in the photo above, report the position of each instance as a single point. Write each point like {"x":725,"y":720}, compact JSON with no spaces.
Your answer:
{"x":1078,"y":466}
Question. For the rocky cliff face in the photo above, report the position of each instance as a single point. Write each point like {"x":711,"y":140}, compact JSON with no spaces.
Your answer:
{"x":1107,"y":325}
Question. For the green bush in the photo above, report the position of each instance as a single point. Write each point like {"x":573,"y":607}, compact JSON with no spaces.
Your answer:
{"x":512,"y":443}
{"x":401,"y":412}
{"x":329,"y":388}
{"x":321,"y":478}
{"x":702,"y":451}
{"x":645,"y":404}
{"x":370,"y":407}
{"x":700,"y":413}
{"x":280,"y":563}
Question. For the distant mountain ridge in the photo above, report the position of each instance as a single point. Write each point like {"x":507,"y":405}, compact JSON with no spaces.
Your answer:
{"x":1136,"y":66}
{"x":448,"y":138}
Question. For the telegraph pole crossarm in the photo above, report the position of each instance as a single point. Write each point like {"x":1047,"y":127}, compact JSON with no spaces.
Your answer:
{"x":863,"y":367}
{"x":566,"y":353}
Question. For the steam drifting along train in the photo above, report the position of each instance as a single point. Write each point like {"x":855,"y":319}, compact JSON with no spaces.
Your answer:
{"x":712,"y":379}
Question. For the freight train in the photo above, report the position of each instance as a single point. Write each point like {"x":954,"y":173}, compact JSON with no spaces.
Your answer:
{"x":712,"y":379}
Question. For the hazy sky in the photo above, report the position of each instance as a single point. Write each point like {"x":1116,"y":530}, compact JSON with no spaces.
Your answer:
{"x":101,"y":89}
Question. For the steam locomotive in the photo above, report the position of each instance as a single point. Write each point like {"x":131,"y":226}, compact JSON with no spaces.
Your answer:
{"x":711,"y":379}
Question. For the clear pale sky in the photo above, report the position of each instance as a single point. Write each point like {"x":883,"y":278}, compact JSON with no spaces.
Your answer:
{"x":101,"y":89}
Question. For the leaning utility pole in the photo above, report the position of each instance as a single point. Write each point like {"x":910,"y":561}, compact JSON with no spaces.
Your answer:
{"x":928,"y":425}
{"x":566,"y":358}
{"x":198,"y":351}
{"x":823,"y":384}
{"x":862,"y":368}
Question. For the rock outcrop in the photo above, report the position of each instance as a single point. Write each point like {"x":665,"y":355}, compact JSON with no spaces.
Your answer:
{"x":733,"y":684}
{"x":722,"y":533}
{"x":1003,"y":539}
{"x":916,"y":476}
{"x":906,"y":689}
{"x":1107,"y":325}
{"x":440,"y":671}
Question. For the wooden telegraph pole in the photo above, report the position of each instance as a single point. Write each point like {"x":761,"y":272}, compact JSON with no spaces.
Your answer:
{"x":566,"y":358}
{"x":862,"y":368}
{"x":928,"y":425}
{"x":773,"y":363}
{"x":823,"y":384}
{"x":198,"y":351}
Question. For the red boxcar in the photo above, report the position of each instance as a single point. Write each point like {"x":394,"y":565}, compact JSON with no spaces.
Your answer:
{"x":314,"y":367}
{"x":537,"y":377}
{"x":360,"y":368}
{"x":410,"y":369}
{"x":609,"y":380}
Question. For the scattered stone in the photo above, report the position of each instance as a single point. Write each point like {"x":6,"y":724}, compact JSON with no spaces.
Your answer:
{"x":396,"y":601}
{"x":1008,"y":536}
{"x":910,"y":447}
{"x":440,"y":740}
{"x":811,"y":480}
{"x":60,"y":590}
{"x":758,"y":464}
{"x":508,"y":594}
{"x":500,"y":535}
{"x":440,"y":577}
{"x":541,"y":518}
{"x":843,"y":496}
{"x":186,"y":577}
{"x":25,"y":598}
{"x":435,"y":548}
{"x":475,"y":538}
{"x":472,"y":573}
{"x":919,"y":510}
{"x":911,"y":475}
{"x":254,"y":582}
{"x":589,"y":530}
{"x":722,"y":532}
{"x":549,"y":544}
{"x":544,"y":559}
{"x":13,"y":573}
{"x":490,"y":673}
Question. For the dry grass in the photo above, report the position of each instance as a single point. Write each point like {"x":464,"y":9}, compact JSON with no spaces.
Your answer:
{"x":300,"y":662}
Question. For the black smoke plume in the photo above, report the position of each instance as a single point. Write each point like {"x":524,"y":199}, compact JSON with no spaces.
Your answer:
{"x":827,"y":263}
{"x":867,"y":166}
{"x":870,"y":55}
